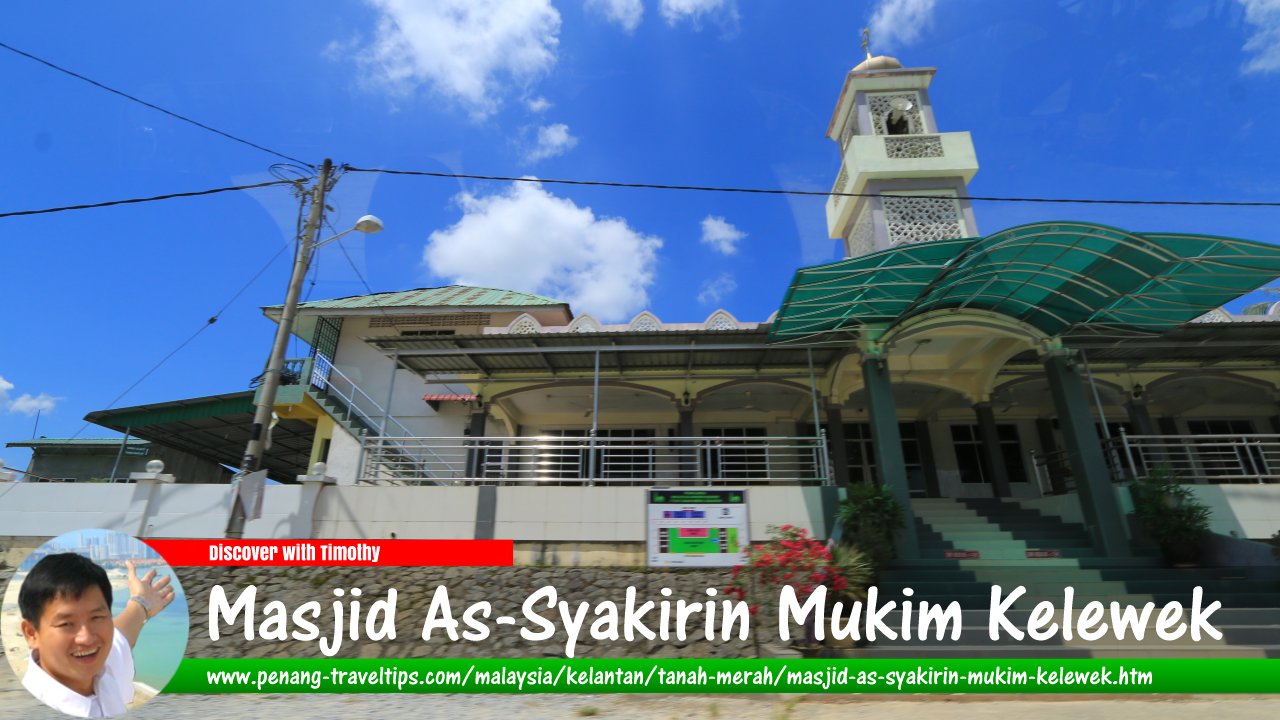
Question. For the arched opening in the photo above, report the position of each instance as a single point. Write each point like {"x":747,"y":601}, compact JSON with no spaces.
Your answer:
{"x":755,"y":430}
{"x":566,"y":434}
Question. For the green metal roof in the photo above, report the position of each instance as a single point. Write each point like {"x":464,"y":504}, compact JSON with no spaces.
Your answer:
{"x":215,"y":428}
{"x":448,"y":296}
{"x":1055,"y":276}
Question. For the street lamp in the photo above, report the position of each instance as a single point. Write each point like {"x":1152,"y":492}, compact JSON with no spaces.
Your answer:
{"x":275,"y":364}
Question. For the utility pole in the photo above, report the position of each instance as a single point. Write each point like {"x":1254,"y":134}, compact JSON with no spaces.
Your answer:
{"x":252,"y":460}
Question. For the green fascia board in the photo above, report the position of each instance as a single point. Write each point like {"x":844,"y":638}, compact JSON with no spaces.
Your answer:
{"x":143,"y":416}
{"x":75,"y":442}
{"x":1054,"y":276}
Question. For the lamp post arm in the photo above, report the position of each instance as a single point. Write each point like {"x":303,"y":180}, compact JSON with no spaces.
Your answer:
{"x":275,"y":364}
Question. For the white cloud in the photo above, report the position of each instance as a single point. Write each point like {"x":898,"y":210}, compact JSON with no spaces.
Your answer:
{"x":465,"y":50}
{"x":553,"y":140}
{"x":721,"y":235}
{"x":716,"y":289}
{"x":26,"y":403}
{"x":530,"y":240}
{"x":625,"y":13}
{"x":694,"y":11}
{"x":1265,"y":42}
{"x":895,"y":23}
{"x":538,"y":104}
{"x":31,"y":404}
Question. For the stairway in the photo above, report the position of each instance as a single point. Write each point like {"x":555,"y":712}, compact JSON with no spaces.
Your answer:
{"x":341,"y":413}
{"x":968,"y":545}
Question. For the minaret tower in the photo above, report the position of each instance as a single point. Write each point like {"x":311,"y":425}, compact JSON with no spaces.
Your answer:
{"x":890,"y":145}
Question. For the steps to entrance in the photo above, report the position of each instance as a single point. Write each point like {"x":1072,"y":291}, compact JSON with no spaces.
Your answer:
{"x":968,"y":546}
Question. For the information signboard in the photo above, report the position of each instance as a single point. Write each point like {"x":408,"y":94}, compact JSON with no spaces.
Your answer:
{"x":697,"y":527}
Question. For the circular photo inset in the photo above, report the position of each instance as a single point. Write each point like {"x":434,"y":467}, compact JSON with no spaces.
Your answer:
{"x":94,"y":623}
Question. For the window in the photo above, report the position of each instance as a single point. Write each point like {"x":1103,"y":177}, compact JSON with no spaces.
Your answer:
{"x":861,"y":455}
{"x":1231,"y":461}
{"x":971,"y":462}
{"x":735,"y":459}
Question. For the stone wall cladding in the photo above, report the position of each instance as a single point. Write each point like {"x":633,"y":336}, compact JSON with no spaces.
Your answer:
{"x":505,"y":588}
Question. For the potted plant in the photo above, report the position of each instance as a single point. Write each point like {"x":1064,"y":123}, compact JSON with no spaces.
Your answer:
{"x":1169,"y":513}
{"x":870,"y":516}
{"x":789,"y":557}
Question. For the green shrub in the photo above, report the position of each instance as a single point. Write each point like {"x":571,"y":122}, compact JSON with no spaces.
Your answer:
{"x":870,"y":516}
{"x":1168,"y":511}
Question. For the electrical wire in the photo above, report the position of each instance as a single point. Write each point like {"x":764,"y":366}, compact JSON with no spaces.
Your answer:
{"x":170,"y":196}
{"x":207,"y":324}
{"x":370,"y":290}
{"x":153,"y":106}
{"x":814,"y":193}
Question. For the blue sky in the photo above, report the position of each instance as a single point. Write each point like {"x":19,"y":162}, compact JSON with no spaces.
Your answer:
{"x":1151,"y":99}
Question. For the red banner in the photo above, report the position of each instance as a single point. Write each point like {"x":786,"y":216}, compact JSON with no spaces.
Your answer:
{"x":385,"y":553}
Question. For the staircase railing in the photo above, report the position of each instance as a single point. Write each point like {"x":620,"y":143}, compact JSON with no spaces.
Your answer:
{"x":321,"y":375}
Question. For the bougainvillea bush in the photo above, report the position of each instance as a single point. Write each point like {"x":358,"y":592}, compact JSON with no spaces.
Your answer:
{"x":790,"y":557}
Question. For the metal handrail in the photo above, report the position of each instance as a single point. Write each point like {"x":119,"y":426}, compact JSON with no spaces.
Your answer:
{"x":318,"y":372}
{"x":1232,"y":458}
{"x":583,"y":460}
{"x":322,"y":375}
{"x":1213,"y":459}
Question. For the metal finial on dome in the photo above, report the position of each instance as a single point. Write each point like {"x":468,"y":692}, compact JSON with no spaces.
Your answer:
{"x":866,"y":41}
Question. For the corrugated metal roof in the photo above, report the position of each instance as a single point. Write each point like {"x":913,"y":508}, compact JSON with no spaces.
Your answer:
{"x":215,"y":428}
{"x":448,"y":296}
{"x":1055,"y":276}
{"x":569,"y":352}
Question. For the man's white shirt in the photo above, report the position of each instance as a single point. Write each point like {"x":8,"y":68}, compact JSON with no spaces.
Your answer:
{"x":112,"y":688}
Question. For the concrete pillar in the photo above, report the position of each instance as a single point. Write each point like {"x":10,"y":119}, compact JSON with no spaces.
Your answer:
{"x":836,"y":443}
{"x":1048,"y":446}
{"x":688,"y":456}
{"x":475,"y":455}
{"x":887,"y":441}
{"x":1140,"y":418}
{"x":925,"y":438}
{"x":1084,"y":452}
{"x":989,"y":442}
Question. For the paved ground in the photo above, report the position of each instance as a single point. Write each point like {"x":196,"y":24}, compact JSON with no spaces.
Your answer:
{"x":16,"y":704}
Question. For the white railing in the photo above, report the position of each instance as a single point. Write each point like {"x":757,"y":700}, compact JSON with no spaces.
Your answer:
{"x":1203,"y":458}
{"x":547,"y":460}
{"x":326,"y":377}
{"x":1214,"y":459}
{"x":320,"y":374}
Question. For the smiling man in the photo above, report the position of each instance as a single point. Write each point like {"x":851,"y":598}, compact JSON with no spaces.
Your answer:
{"x":81,"y":657}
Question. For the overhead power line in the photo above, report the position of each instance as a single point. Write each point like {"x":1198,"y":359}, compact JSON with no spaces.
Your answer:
{"x":816,"y":193}
{"x":169,"y":196}
{"x":204,"y":326}
{"x":153,"y":106}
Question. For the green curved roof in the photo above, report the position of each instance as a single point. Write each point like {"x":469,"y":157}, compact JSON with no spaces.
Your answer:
{"x":1055,"y":276}
{"x":447,"y":296}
